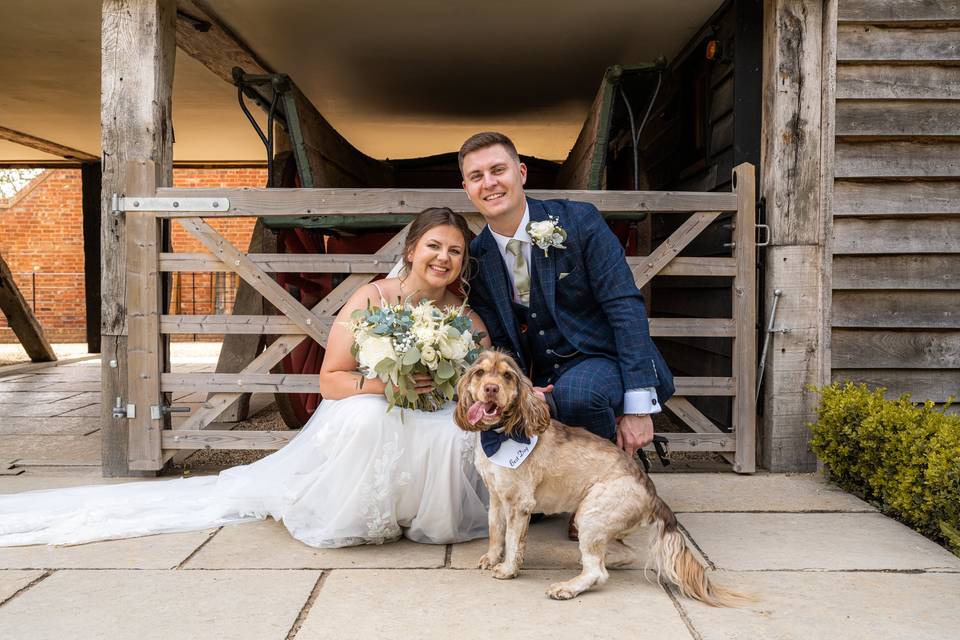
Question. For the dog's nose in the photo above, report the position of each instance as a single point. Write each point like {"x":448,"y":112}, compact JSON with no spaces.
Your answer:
{"x":491,"y":389}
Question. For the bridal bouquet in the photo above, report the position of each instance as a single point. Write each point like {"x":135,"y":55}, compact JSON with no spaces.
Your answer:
{"x":394,"y":343}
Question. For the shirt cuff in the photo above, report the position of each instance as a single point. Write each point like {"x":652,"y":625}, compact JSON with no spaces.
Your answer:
{"x":641,"y":401}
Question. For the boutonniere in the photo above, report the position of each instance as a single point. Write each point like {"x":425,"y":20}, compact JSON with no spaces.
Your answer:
{"x":547,"y":233}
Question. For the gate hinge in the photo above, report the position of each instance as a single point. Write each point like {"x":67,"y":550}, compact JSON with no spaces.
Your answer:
{"x":190,"y":205}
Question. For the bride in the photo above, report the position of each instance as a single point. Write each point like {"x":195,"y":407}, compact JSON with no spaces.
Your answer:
{"x":355,"y":474}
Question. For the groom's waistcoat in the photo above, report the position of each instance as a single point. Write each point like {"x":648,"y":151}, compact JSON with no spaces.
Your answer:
{"x":548,"y":352}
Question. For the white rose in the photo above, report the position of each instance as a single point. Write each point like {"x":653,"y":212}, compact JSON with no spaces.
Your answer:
{"x":454,"y":348}
{"x":424,"y":333}
{"x":429,"y":357}
{"x":373,"y":350}
{"x":542,"y":228}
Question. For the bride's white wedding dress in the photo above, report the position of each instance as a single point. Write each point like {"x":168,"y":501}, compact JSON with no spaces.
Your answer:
{"x":355,"y":474}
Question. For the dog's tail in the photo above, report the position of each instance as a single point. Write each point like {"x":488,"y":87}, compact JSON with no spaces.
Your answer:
{"x":676,"y":563}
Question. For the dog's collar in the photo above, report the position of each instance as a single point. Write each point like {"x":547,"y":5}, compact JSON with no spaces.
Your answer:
{"x":506,"y":450}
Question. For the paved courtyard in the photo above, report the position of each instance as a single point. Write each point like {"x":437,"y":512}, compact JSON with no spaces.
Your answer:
{"x":821,"y":563}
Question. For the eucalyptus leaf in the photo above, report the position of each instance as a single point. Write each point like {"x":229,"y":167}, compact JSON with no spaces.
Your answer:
{"x":412,"y":356}
{"x":445,"y":370}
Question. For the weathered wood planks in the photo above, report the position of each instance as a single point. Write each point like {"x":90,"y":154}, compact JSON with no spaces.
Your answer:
{"x":894,"y":272}
{"x":360,"y":202}
{"x":138,"y":50}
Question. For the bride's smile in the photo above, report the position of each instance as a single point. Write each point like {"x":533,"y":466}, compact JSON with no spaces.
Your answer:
{"x":436,"y":260}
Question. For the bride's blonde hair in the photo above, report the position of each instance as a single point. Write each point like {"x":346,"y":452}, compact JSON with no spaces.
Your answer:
{"x":438,"y":217}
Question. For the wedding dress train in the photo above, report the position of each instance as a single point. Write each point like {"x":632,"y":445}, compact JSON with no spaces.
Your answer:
{"x":355,"y":474}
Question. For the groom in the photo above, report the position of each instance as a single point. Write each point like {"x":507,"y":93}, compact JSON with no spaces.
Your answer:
{"x":570,"y":314}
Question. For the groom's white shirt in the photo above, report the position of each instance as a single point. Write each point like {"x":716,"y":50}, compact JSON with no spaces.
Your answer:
{"x":635,"y":401}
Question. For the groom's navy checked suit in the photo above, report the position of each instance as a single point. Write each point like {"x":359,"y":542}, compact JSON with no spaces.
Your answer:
{"x":585,"y":330}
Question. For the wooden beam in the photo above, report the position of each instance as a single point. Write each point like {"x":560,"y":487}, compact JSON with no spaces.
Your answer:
{"x":382,"y":263}
{"x":359,"y":202}
{"x":144,"y":347}
{"x":91,"y":185}
{"x":137,"y":58}
{"x":46,"y":146}
{"x":272,"y":440}
{"x":204,"y":37}
{"x":745,"y":320}
{"x":794,"y":50}
{"x":672,"y":246}
{"x":245,"y":382}
{"x":21,"y":319}
{"x":255,"y":276}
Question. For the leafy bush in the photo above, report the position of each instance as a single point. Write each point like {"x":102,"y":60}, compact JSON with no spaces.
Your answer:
{"x":904,"y":455}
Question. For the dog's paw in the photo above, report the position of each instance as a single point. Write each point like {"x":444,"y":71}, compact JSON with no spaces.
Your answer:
{"x":488,"y":561}
{"x":561,"y":591}
{"x":501,"y":572}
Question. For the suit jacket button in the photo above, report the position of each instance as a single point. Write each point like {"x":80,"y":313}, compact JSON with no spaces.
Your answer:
{"x":556,"y":366}
{"x":533,"y":315}
{"x":542,"y":332}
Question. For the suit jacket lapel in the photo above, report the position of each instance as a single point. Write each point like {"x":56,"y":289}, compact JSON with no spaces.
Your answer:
{"x":500,"y":287}
{"x":543,"y":270}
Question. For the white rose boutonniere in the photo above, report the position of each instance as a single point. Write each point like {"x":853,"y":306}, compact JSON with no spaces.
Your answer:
{"x":547,"y":233}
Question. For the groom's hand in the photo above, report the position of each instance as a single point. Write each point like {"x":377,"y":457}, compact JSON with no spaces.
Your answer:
{"x":633,"y":432}
{"x":540,"y":391}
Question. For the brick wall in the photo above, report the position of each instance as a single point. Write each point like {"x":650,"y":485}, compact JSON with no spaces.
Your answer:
{"x":41,"y":239}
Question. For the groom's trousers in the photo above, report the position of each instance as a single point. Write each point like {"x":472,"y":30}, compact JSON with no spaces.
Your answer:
{"x":588,"y":393}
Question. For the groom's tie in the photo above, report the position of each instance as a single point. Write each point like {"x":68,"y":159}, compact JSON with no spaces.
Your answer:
{"x":521,"y":274}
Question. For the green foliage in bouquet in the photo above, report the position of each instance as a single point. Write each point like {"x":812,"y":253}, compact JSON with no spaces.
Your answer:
{"x":397,"y":342}
{"x":903,"y":455}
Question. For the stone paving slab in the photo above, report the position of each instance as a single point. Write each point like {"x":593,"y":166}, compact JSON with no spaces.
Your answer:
{"x":85,"y":449}
{"x":547,"y":548}
{"x":150,"y":552}
{"x":13,"y":581}
{"x":160,"y":605}
{"x":759,"y":492}
{"x":268,"y":545}
{"x":467,"y":604}
{"x":48,"y":426}
{"x":814,"y":541}
{"x":851,"y":606}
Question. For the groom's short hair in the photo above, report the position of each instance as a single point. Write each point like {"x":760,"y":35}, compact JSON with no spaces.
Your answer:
{"x":483,"y":140}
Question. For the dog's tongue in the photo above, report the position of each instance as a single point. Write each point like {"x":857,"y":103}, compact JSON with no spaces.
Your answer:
{"x":476,"y":412}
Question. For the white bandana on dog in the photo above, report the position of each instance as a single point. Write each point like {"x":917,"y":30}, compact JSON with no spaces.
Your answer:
{"x":509,"y":453}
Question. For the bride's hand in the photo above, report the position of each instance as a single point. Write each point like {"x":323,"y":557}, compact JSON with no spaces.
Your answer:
{"x":424,"y":383}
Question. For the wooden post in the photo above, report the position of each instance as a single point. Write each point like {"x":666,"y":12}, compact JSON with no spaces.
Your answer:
{"x":744,"y":319}
{"x":90,"y":179}
{"x":792,"y":184}
{"x":138,"y":48}
{"x":21,"y":318}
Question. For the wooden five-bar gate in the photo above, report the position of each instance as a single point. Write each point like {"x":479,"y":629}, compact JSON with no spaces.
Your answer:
{"x":151,"y":445}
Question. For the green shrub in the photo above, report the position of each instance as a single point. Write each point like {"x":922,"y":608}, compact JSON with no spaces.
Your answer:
{"x":904,"y":455}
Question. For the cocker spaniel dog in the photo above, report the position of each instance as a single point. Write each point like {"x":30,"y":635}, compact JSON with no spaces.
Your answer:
{"x":531,"y":463}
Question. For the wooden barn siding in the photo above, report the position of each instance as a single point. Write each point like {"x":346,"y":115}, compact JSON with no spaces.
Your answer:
{"x":896,"y":255}
{"x":680,"y":297}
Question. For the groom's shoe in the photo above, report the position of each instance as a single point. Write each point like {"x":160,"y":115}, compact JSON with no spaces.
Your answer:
{"x":572,"y":532}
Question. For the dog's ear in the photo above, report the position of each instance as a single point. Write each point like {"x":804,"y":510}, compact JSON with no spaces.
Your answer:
{"x":532,"y":414}
{"x":464,"y":400}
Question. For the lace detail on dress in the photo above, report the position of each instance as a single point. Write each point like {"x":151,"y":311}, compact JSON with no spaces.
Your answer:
{"x":381,"y":523}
